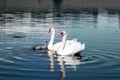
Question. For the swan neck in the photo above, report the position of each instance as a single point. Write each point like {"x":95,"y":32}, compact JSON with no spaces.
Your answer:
{"x":64,"y":39}
{"x":63,"y":42}
{"x":52,"y":37}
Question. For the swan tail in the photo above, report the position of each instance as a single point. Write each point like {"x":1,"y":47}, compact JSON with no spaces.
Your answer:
{"x":83,"y":46}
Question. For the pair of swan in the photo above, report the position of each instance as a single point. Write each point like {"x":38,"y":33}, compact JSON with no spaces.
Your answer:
{"x":65,"y":47}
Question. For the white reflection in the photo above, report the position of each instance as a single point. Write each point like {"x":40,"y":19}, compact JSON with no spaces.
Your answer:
{"x":64,"y":62}
{"x":51,"y":65}
{"x":62,"y":66}
{"x":26,"y":18}
{"x":71,"y":61}
{"x":106,"y":20}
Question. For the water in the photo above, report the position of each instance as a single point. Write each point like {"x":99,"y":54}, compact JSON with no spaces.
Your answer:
{"x":20,"y":31}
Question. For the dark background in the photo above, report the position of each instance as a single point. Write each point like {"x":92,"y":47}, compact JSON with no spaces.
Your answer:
{"x":45,"y":5}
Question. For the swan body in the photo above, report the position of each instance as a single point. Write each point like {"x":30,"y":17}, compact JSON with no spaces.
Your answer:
{"x":70,"y":47}
{"x":51,"y":46}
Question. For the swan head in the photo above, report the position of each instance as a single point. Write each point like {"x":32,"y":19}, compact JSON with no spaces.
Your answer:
{"x":51,"y":30}
{"x":62,"y":33}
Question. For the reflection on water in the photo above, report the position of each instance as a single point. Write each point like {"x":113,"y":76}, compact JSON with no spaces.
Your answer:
{"x":71,"y":61}
{"x":20,"y":31}
{"x":51,"y":55}
{"x":94,"y":18}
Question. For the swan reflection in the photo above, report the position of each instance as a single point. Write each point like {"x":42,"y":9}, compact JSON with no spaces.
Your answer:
{"x":64,"y":62}
{"x":62,"y":66}
{"x":72,"y":61}
{"x":51,"y":66}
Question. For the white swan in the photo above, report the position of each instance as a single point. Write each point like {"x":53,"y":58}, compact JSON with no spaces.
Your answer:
{"x":70,"y":47}
{"x":51,"y":46}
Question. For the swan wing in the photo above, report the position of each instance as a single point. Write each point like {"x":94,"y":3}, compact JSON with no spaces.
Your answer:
{"x":69,"y":47}
{"x":72,"y":47}
{"x":79,"y":47}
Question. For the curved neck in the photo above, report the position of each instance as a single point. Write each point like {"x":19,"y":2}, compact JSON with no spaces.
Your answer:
{"x":52,"y":38}
{"x":63,"y":42}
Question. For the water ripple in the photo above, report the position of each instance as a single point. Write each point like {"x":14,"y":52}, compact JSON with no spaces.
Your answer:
{"x":5,"y":60}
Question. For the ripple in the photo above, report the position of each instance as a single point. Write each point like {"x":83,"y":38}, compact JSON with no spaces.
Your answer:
{"x":5,"y":60}
{"x":24,"y":69}
{"x":8,"y":48}
{"x":19,"y":58}
{"x":99,"y":60}
{"x":26,"y":74}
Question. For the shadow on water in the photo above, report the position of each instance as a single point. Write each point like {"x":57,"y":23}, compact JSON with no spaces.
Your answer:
{"x":95,"y":17}
{"x":119,"y":20}
{"x":57,"y":7}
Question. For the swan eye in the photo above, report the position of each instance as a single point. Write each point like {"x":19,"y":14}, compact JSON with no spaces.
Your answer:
{"x":61,"y":34}
{"x":49,"y":30}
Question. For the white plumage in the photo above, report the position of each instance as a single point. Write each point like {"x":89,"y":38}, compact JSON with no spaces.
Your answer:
{"x":51,"y":45}
{"x":69,"y":47}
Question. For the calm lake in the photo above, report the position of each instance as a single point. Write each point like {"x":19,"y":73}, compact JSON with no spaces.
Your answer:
{"x":21,"y":31}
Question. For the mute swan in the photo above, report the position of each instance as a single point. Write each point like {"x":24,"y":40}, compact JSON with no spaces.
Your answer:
{"x":51,"y":46}
{"x":71,"y":47}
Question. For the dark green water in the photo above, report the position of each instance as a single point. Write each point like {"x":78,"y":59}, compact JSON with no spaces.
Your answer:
{"x":20,"y":31}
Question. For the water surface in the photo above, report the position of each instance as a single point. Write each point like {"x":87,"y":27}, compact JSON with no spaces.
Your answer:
{"x":20,"y":31}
